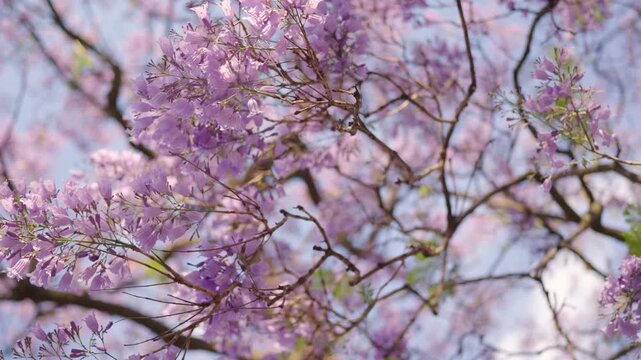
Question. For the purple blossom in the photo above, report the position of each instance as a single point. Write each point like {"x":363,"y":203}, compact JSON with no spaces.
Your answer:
{"x":563,"y":104}
{"x":92,"y":323}
{"x":622,"y":295}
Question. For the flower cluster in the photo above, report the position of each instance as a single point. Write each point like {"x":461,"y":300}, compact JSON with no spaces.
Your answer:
{"x":209,"y":95}
{"x":83,"y":231}
{"x":367,"y":125}
{"x":67,"y":341}
{"x":91,"y":233}
{"x":565,"y":110}
{"x":40,"y":238}
{"x":622,"y":295}
{"x":211,"y":110}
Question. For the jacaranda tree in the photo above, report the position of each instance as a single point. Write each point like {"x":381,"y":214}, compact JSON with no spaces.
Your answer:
{"x":320,"y":179}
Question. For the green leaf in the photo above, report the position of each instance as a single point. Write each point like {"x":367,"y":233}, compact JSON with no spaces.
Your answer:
{"x":80,"y":60}
{"x":424,"y":191}
{"x":415,"y":276}
{"x":343,"y":289}
{"x":421,"y":258}
{"x":633,"y":241}
{"x":300,"y":344}
{"x":632,"y":238}
{"x":320,"y":277}
{"x":562,"y":102}
{"x":367,"y":293}
{"x":154,"y":269}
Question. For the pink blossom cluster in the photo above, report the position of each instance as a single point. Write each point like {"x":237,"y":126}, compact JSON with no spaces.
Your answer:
{"x":68,"y":341}
{"x":317,"y":178}
{"x":207,"y":98}
{"x":565,"y":111}
{"x":621,"y":296}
